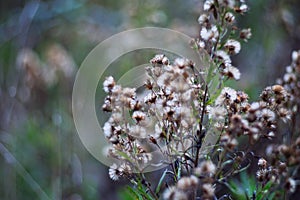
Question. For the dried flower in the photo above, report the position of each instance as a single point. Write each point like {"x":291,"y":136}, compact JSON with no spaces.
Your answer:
{"x":107,"y":128}
{"x":229,"y":17}
{"x":227,"y":94}
{"x":290,"y":185}
{"x":114,"y":173}
{"x":296,"y":57}
{"x":172,"y":193}
{"x":138,"y":116}
{"x":245,"y":34}
{"x":160,"y":59}
{"x":208,"y":191}
{"x":209,"y":33}
{"x":108,"y":84}
{"x":233,"y":46}
{"x":223,"y":57}
{"x":262,"y":163}
{"x":232,"y":72}
{"x":203,"y":19}
{"x":217,"y":113}
{"x":186,"y":183}
{"x":185,"y":110}
{"x":261,"y":175}
{"x":208,"y":5}
{"x":242,"y":9}
{"x":205,"y":168}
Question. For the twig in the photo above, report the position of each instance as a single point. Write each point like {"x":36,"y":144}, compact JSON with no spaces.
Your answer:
{"x":200,"y":134}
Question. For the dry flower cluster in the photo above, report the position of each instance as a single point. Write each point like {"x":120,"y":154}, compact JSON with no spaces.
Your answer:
{"x":183,"y":106}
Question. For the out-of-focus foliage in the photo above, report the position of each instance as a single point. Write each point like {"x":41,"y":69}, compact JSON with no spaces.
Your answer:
{"x":275,"y":26}
{"x":42,"y":44}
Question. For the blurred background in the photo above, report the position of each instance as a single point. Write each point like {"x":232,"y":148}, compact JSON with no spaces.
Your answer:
{"x":43,"y":43}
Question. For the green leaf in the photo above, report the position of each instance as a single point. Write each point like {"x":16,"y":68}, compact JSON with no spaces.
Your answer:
{"x":178,"y":175}
{"x":141,"y":189}
{"x":227,"y":162}
{"x":160,"y":181}
{"x":134,"y":193}
{"x":124,"y":155}
{"x":263,"y":191}
{"x":213,"y":82}
{"x":244,"y":189}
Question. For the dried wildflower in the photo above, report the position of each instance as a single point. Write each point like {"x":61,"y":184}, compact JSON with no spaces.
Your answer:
{"x":217,"y":113}
{"x":108,"y":84}
{"x":245,"y":34}
{"x":267,"y":114}
{"x":149,"y":84}
{"x":114,"y":173}
{"x":116,"y":90}
{"x":150,"y":98}
{"x":242,"y":97}
{"x":233,"y":46}
{"x":169,"y":193}
{"x":271,"y":135}
{"x":208,"y":5}
{"x":107,"y":107}
{"x":208,"y":191}
{"x":205,"y":168}
{"x":209,"y":33}
{"x":229,"y":17}
{"x":232,"y":72}
{"x":242,"y":9}
{"x":262,"y":163}
{"x":172,"y":193}
{"x":116,"y":118}
{"x":278,"y":89}
{"x":203,"y":19}
{"x":261,"y":175}
{"x":186,"y":183}
{"x":227,"y":94}
{"x":228,"y":141}
{"x":296,"y":57}
{"x":160,"y":59}
{"x":138,"y":116}
{"x":289,"y":77}
{"x":254,"y":106}
{"x":107,"y":128}
{"x":201,"y":44}
{"x":223,"y":57}
{"x":282,"y":168}
{"x":180,"y":102}
{"x":290,"y":185}
{"x":182,"y":62}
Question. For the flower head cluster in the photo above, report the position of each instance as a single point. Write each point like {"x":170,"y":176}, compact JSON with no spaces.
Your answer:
{"x":218,"y":31}
{"x":188,"y":185}
{"x":184,"y":189}
{"x":181,"y":109}
{"x":256,"y":120}
{"x":124,"y":132}
{"x":291,"y":83}
{"x":278,"y":170}
{"x":164,"y":115}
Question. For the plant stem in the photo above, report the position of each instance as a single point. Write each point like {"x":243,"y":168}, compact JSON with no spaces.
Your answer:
{"x":200,"y":134}
{"x":148,"y":187}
